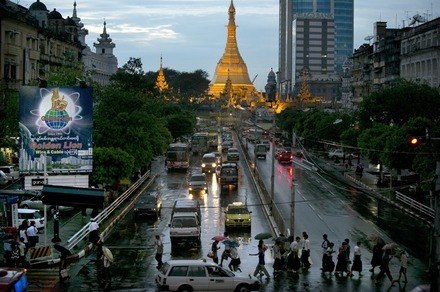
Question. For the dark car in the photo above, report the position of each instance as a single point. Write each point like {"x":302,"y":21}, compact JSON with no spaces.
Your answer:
{"x":149,"y":205}
{"x":285,"y":156}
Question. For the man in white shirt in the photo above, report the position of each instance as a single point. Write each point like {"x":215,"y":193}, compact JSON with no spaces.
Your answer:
{"x":93,"y":231}
{"x":32,"y":234}
{"x":159,"y":251}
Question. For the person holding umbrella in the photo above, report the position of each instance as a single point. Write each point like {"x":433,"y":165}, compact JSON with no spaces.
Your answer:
{"x":214,"y":249}
{"x":63,"y":272}
{"x":384,"y":266}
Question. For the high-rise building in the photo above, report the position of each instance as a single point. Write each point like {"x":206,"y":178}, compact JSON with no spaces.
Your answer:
{"x":316,"y":36}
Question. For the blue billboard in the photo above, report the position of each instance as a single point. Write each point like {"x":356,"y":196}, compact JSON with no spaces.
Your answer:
{"x":55,"y":129}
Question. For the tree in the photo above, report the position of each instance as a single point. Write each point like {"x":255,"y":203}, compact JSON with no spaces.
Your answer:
{"x":110,"y":165}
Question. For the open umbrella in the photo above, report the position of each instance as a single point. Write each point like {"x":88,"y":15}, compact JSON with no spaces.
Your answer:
{"x":107,"y":253}
{"x":281,"y":238}
{"x":376,"y":239}
{"x":230,"y":243}
{"x":64,"y":251}
{"x":391,"y":245}
{"x":263,"y":235}
{"x":219,"y":238}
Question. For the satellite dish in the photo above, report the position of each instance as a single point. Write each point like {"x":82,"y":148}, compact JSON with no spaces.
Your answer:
{"x":417,"y":19}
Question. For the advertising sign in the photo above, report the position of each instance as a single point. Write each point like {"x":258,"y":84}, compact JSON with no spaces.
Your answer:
{"x":55,"y":130}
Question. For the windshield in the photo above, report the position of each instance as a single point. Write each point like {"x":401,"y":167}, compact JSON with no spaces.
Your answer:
{"x":198,"y":178}
{"x":209,"y":159}
{"x":182,"y":222}
{"x":236,"y":210}
{"x":229,"y":171}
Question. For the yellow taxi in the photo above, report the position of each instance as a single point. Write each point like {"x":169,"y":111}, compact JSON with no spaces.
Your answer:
{"x":237,"y":215}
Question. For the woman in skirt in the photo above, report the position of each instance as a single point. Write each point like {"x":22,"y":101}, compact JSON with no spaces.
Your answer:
{"x":357,"y":262}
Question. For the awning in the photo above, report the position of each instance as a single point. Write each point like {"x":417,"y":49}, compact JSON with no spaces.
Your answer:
{"x":73,"y":196}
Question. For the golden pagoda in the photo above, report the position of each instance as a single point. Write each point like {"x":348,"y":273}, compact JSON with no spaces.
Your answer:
{"x":161,"y":82}
{"x":231,"y":68}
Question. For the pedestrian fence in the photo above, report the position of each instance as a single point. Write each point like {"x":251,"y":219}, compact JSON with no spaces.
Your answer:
{"x":109,"y":210}
{"x":416,"y":206}
{"x":41,"y":254}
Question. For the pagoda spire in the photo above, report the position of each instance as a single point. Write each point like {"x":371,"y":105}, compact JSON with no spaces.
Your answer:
{"x":231,"y":65}
{"x":104,"y":45}
{"x":161,"y":82}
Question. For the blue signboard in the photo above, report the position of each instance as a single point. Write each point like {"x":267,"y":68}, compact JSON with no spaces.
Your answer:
{"x":55,"y":129}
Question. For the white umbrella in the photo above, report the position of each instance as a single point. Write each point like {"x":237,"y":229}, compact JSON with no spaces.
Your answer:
{"x":107,"y":253}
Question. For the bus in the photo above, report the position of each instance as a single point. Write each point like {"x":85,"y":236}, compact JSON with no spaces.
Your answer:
{"x":177,"y":156}
{"x":199,"y":143}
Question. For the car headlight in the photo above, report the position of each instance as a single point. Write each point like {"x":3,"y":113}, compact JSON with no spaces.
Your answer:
{"x":135,"y":209}
{"x":214,"y":165}
{"x":203,"y":165}
{"x":190,"y":188}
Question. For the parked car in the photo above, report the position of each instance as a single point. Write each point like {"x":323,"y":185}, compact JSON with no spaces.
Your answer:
{"x":202,"y":275}
{"x":285,"y":156}
{"x":339,"y":154}
{"x":11,"y":172}
{"x":30,"y":215}
{"x":3,"y":178}
{"x":233,"y":154}
{"x":36,"y":202}
{"x":237,"y":215}
{"x":149,"y":205}
{"x":198,"y":183}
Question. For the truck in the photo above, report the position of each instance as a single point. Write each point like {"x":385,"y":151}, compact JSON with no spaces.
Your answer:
{"x":260,"y":151}
{"x":185,"y":229}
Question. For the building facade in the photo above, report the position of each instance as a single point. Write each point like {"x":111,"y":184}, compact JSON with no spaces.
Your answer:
{"x":34,"y":42}
{"x":315,"y":35}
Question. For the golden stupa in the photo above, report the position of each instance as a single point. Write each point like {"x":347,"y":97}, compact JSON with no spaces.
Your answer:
{"x":231,"y":70}
{"x":161,"y":82}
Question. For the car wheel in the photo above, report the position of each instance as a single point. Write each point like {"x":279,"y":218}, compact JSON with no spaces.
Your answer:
{"x":185,"y":289}
{"x":242,"y":288}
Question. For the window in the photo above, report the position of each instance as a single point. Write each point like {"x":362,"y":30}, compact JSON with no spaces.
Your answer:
{"x":197,"y":272}
{"x":178,"y":271}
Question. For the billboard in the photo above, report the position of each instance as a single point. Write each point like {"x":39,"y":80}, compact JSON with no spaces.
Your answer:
{"x":55,"y":130}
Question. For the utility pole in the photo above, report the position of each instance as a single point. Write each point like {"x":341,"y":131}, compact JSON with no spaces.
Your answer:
{"x":435,"y":252}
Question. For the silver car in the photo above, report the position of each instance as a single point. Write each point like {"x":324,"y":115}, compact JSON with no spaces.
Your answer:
{"x":3,"y":178}
{"x":36,"y":202}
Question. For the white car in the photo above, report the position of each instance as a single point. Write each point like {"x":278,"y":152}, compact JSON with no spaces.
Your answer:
{"x":202,"y":275}
{"x":11,"y":172}
{"x":198,"y":184}
{"x":36,"y":202}
{"x":30,"y":215}
{"x":3,"y":178}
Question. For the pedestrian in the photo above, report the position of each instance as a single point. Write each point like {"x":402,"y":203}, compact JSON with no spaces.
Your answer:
{"x":93,"y":231}
{"x":225,"y":253}
{"x":341,"y":264}
{"x":32,"y":234}
{"x":324,"y":246}
{"x":376,"y":260}
{"x":214,"y":249}
{"x":357,"y":261}
{"x":348,"y":252}
{"x":329,"y":265}
{"x":22,"y":234}
{"x":305,"y":252}
{"x":384,"y":267}
{"x":403,"y":267}
{"x":261,"y":263}
{"x":234,"y":264}
{"x":15,"y":255}
{"x":277,"y":258}
{"x":159,"y":251}
{"x":22,"y":249}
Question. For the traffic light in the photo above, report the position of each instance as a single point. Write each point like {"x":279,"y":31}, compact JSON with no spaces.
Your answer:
{"x":417,"y":140}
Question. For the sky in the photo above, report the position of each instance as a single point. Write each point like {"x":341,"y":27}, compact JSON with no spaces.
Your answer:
{"x":191,"y":34}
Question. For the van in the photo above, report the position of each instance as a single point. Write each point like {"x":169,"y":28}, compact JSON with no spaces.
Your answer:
{"x":185,"y":229}
{"x":202,"y":275}
{"x":30,"y":215}
{"x":11,"y":172}
{"x":186,"y":205}
{"x":209,"y":162}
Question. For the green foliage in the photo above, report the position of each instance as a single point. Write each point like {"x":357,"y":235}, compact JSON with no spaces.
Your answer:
{"x":9,"y":118}
{"x":110,"y":165}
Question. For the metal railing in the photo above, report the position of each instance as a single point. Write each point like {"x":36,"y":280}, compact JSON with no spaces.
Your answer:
{"x":416,"y":206}
{"x":104,"y":215}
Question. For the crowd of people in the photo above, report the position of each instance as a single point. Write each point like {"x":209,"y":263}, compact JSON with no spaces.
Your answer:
{"x":292,"y":254}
